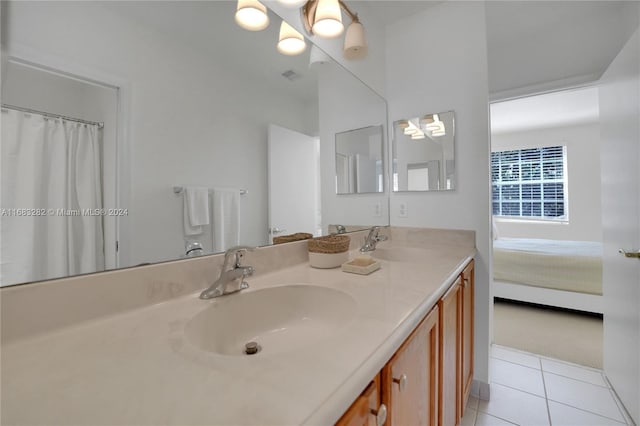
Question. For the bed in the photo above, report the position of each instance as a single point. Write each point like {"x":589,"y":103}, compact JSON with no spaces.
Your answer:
{"x":566,"y":274}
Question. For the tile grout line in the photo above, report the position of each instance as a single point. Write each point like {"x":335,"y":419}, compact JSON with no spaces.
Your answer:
{"x":577,"y":380}
{"x":546,"y":396}
{"x":515,"y":363}
{"x":589,"y":412}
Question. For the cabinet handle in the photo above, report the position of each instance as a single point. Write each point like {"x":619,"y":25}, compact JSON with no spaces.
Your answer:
{"x":381,"y":414}
{"x":402,"y":382}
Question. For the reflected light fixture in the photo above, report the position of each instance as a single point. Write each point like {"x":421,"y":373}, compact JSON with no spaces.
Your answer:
{"x":411,"y":130}
{"x":433,"y":124}
{"x":317,"y":56}
{"x":290,"y":42}
{"x":252,"y":15}
{"x":292,"y":3}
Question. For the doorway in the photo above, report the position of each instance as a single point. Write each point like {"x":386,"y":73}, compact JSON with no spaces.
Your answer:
{"x":547,"y":225}
{"x":56,"y":98}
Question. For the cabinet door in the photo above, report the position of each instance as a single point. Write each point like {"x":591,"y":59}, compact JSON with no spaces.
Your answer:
{"x":366,"y":410}
{"x":450,"y":356}
{"x":410,"y":378}
{"x":468,"y":289}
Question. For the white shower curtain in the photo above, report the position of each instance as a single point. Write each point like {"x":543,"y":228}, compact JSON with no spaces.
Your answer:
{"x":53,"y":167}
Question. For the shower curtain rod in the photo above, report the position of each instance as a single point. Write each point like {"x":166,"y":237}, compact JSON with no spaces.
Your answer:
{"x":50,"y":115}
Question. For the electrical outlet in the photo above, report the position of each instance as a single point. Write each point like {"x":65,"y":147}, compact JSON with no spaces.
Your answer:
{"x":377,"y":210}
{"x":403,"y":210}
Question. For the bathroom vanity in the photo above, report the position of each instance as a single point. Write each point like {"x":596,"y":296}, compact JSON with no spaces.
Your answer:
{"x":139,"y":347}
{"x":428,"y":379}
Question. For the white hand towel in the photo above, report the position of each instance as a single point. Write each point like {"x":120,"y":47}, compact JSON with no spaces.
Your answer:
{"x":196,"y":209}
{"x":226,"y":218}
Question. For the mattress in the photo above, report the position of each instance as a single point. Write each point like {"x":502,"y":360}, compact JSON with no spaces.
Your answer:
{"x":562,"y":265}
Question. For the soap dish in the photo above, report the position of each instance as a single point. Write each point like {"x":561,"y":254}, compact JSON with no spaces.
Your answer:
{"x":361,"y":265}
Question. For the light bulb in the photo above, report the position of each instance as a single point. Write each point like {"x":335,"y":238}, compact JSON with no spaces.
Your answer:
{"x":290,"y":42}
{"x":252,"y":15}
{"x":328,"y":19}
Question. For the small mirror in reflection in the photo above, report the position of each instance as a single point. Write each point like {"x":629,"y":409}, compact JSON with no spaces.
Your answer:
{"x":423,"y":153}
{"x":359,"y":167}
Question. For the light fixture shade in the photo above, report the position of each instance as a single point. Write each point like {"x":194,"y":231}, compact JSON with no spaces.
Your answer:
{"x":252,"y":15}
{"x":290,"y":42}
{"x":328,"y":19}
{"x":355,"y":43}
{"x":403,"y":124}
{"x":292,"y":3}
{"x":317,"y":56}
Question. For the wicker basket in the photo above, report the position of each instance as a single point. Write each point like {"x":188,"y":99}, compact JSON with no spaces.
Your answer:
{"x":293,"y":237}
{"x":330,"y":244}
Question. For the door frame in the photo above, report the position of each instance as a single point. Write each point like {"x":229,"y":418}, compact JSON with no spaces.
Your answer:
{"x":30,"y":57}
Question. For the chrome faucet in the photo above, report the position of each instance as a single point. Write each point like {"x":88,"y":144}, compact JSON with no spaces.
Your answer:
{"x":372,"y":239}
{"x":231,"y":270}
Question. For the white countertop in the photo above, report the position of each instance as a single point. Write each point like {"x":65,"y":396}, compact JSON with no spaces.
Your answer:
{"x":138,"y":368}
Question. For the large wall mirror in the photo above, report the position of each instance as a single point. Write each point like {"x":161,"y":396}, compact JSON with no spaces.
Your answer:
{"x":359,"y":161}
{"x":133,"y":132}
{"x":423,"y":153}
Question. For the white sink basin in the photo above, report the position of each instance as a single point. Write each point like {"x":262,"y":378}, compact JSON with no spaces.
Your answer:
{"x":279,"y":319}
{"x":400,"y":254}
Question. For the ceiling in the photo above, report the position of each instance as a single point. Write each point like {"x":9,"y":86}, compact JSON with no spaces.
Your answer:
{"x":565,"y":108}
{"x":536,"y":46}
{"x":533,"y":46}
{"x":386,"y":12}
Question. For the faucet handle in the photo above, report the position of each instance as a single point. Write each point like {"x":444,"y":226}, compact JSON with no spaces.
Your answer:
{"x":236,"y":249}
{"x":237,"y":252}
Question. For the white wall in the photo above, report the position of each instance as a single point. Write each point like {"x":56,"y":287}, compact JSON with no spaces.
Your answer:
{"x":188,"y":120}
{"x":448,"y":72}
{"x":583,"y":189}
{"x":346,"y":106}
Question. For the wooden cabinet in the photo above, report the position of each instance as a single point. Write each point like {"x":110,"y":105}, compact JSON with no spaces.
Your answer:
{"x":428,"y":380}
{"x":366,"y":410}
{"x":410,"y":378}
{"x":468,"y":289}
{"x":450,"y":355}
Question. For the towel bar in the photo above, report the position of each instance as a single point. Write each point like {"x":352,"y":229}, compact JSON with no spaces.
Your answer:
{"x":179,"y":189}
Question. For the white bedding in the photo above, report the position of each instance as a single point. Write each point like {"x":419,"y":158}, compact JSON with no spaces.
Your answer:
{"x":563,"y":265}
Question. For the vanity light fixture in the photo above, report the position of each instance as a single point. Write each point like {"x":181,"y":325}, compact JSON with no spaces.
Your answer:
{"x":355,"y":43}
{"x":324,"y":18}
{"x":290,"y":42}
{"x":320,"y":17}
{"x":252,"y":15}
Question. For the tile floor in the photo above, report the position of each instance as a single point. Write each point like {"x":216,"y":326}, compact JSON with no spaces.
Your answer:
{"x":531,"y":390}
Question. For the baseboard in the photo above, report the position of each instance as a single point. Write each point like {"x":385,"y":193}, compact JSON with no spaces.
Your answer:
{"x":480,"y":390}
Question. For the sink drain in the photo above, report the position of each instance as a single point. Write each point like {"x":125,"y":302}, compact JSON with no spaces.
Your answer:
{"x":252,"y":348}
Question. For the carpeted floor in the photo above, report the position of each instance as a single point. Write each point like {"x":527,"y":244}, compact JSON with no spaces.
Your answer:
{"x":567,"y":336}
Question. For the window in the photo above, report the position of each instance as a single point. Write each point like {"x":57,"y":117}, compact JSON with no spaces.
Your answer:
{"x":530,"y":183}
